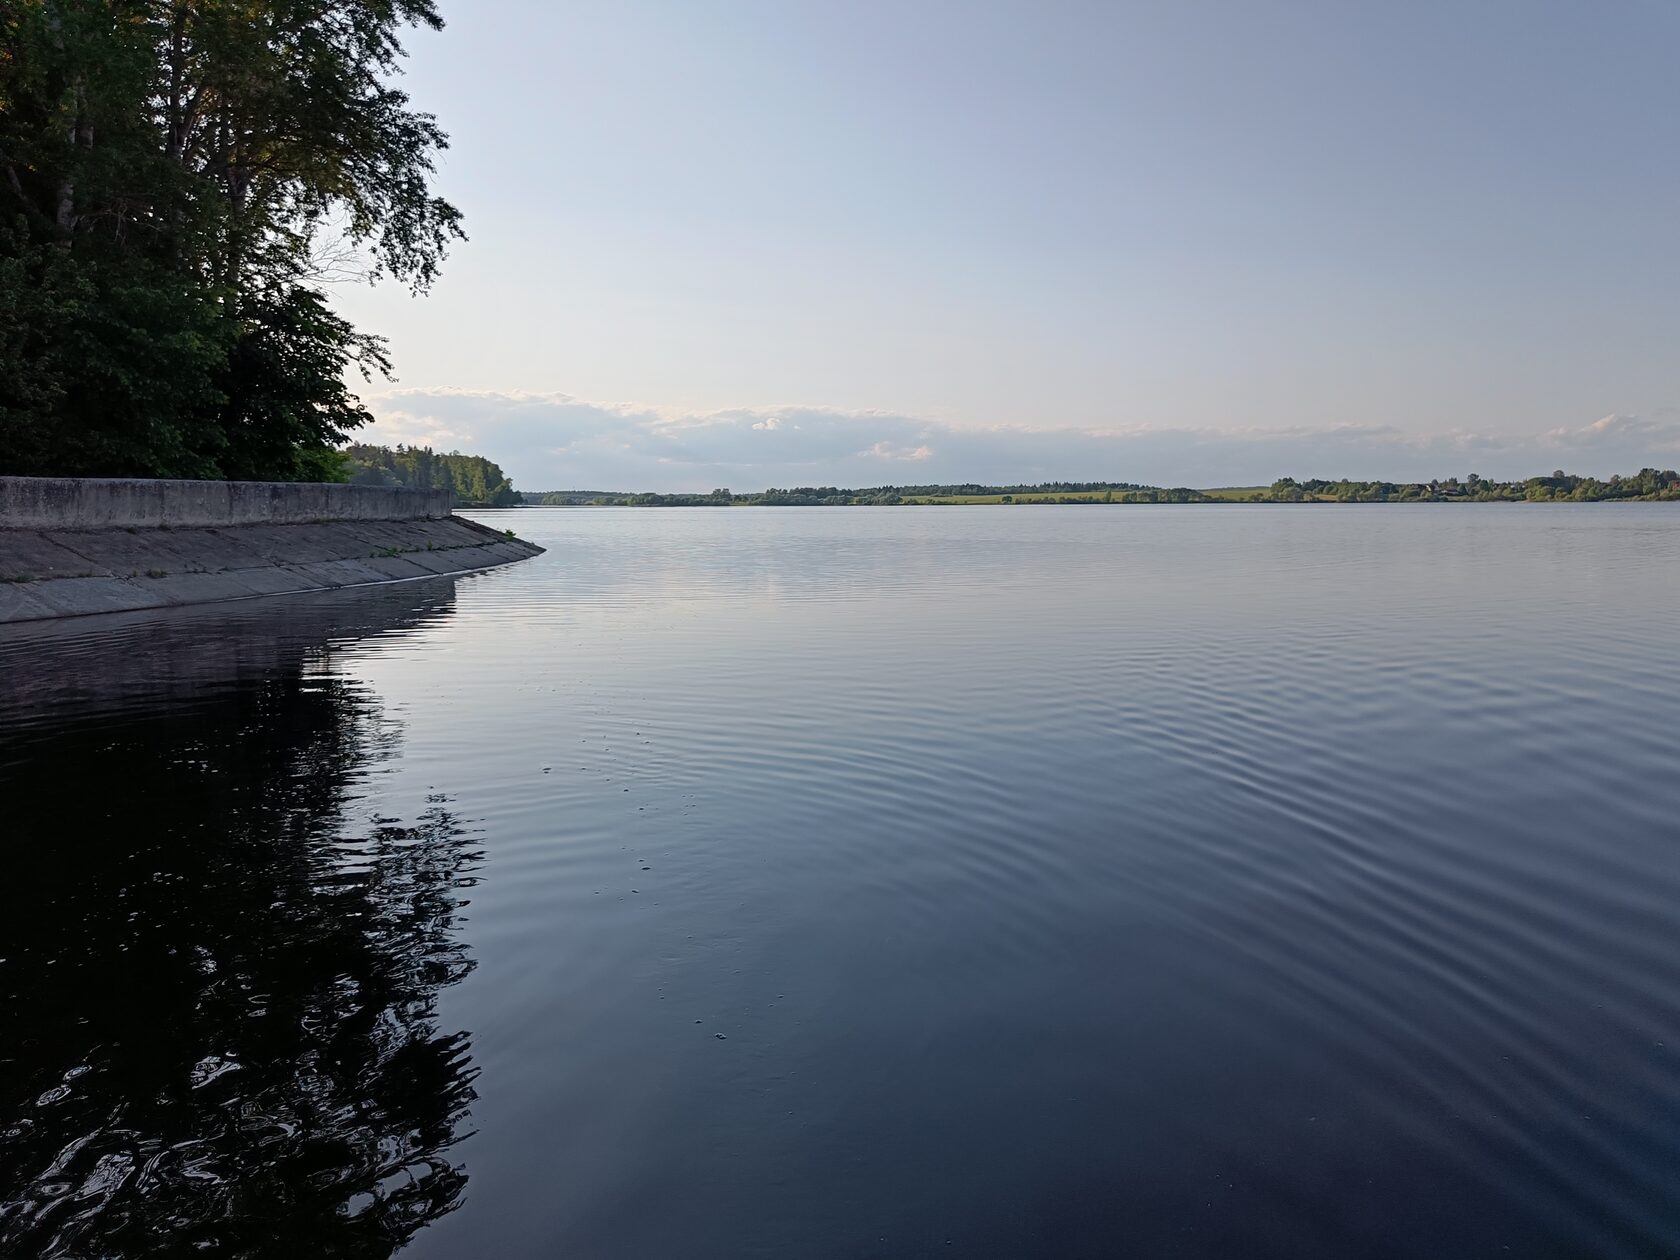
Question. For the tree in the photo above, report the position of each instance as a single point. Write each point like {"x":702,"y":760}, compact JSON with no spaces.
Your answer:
{"x":177,"y":178}
{"x":471,"y":479}
{"x":1287,"y":490}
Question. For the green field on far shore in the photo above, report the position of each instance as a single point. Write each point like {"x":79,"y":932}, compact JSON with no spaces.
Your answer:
{"x":1233,"y":493}
{"x":1647,"y":484}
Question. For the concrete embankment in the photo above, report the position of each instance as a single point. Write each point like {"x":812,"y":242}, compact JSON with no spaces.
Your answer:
{"x":70,"y":546}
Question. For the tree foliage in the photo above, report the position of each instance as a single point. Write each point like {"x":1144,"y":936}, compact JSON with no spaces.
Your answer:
{"x":177,"y":180}
{"x":1648,"y":483}
{"x":472,"y":479}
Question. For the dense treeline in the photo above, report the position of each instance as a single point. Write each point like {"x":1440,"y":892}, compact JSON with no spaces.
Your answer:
{"x":1648,"y":483}
{"x":472,"y":479}
{"x":827,"y":496}
{"x":1043,"y":487}
{"x":178,"y":178}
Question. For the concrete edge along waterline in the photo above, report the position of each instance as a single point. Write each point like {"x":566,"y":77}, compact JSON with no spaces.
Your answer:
{"x":73,"y":545}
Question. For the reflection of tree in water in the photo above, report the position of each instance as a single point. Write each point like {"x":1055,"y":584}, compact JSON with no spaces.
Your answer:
{"x":218,"y":1028}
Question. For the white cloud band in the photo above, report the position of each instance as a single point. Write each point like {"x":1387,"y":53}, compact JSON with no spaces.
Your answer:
{"x":555,"y":441}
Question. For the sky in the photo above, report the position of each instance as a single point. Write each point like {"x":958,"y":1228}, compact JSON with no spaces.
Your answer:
{"x":1196,"y":243}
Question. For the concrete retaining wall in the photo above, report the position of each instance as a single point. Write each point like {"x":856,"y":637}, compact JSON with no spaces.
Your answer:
{"x":192,"y":542}
{"x":103,"y":502}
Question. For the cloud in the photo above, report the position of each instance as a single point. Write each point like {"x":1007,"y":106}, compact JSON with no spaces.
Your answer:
{"x":885,"y":450}
{"x":1659,"y":434}
{"x":556,"y":441}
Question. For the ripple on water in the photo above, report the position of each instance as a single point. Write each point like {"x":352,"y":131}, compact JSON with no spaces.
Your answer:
{"x":1048,"y":881}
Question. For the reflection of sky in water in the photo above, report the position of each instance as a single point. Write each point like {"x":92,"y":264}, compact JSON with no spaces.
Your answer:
{"x":1255,"y":881}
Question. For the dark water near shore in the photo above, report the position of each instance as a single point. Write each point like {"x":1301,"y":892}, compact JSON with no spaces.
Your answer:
{"x":988,"y":882}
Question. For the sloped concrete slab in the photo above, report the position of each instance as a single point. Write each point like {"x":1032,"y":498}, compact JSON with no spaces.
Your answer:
{"x":74,"y":597}
{"x":436,"y":561}
{"x":397,"y":568}
{"x":503,"y":552}
{"x":26,"y":554}
{"x":125,"y":553}
{"x":341,"y":572}
{"x":300,"y":544}
{"x":276,"y":580}
{"x":383,"y":535}
{"x":200,"y":588}
{"x":149,"y":568}
{"x":214,"y":550}
{"x":17,"y":604}
{"x":451,"y":533}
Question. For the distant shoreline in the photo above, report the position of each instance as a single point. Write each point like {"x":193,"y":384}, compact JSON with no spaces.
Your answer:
{"x":1649,"y":485}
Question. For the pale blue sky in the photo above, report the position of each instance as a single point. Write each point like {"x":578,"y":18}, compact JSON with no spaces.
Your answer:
{"x":1440,"y":225}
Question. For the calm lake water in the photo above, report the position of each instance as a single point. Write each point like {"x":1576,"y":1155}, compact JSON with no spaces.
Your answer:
{"x":1157,"y":882}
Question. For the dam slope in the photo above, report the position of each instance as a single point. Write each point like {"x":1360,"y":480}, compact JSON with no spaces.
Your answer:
{"x":74,"y":546}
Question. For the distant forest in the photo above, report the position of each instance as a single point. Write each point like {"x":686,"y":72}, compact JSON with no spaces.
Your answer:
{"x":1647,"y":484}
{"x":472,"y":479}
{"x":827,"y":496}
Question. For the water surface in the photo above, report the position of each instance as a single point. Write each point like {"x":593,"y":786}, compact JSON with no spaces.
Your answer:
{"x":1255,"y":881}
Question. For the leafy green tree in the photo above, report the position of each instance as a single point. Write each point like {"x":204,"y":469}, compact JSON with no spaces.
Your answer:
{"x":472,"y":479}
{"x":177,"y":179}
{"x":1285,"y":490}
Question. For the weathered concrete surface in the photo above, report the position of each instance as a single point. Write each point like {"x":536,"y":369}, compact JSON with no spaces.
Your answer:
{"x":104,"y":502}
{"x":68,"y":572}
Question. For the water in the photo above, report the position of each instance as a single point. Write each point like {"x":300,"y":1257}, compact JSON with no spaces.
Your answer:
{"x":988,"y":882}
